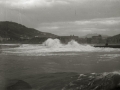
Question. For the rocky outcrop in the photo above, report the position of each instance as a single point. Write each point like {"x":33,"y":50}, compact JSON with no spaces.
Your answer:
{"x":19,"y":85}
{"x":105,"y":81}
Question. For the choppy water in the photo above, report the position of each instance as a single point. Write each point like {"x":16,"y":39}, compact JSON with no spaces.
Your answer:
{"x":52,"y":56}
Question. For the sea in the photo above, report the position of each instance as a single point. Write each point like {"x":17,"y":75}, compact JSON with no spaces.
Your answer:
{"x":33,"y":63}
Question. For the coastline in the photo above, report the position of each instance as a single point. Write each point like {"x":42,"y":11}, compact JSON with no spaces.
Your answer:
{"x":107,"y":46}
{"x":9,"y":45}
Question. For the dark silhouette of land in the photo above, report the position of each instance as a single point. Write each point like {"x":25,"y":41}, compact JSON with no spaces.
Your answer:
{"x":11,"y":32}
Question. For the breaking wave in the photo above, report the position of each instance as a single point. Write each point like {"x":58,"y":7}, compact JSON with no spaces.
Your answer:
{"x":54,"y":45}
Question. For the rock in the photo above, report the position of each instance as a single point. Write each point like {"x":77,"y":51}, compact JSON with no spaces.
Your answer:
{"x":102,"y":81}
{"x":20,"y":85}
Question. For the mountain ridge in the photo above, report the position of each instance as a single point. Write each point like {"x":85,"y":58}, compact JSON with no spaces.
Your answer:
{"x":17,"y":31}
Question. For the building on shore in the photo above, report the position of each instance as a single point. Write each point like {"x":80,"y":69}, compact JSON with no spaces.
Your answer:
{"x":4,"y":39}
{"x":1,"y":39}
{"x":96,"y":39}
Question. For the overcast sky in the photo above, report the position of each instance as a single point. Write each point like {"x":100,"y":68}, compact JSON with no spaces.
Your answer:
{"x":64,"y":17}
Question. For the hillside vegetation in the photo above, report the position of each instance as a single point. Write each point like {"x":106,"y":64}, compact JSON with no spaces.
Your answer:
{"x":16,"y":31}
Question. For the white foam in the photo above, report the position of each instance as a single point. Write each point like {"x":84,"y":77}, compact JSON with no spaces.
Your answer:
{"x":108,"y":73}
{"x":109,"y":56}
{"x":54,"y":45}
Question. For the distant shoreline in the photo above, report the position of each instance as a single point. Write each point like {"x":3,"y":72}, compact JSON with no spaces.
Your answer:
{"x":9,"y":45}
{"x":107,"y":46}
{"x":13,"y":45}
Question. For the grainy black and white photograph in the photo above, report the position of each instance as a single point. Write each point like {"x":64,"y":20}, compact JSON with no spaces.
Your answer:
{"x":59,"y":44}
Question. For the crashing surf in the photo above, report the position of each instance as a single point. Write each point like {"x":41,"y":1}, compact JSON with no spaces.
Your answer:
{"x":51,"y":46}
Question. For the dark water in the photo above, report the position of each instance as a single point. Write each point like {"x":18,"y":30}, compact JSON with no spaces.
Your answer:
{"x":82,"y":63}
{"x":53,"y":71}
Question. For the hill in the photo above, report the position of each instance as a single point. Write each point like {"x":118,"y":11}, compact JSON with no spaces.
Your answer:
{"x":15,"y":31}
{"x":116,"y":36}
{"x":114,"y":39}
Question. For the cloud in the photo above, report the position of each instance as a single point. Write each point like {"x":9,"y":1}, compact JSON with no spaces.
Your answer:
{"x":104,"y":21}
{"x":59,"y":10}
{"x":27,"y":4}
{"x":63,"y":16}
{"x":50,"y":28}
{"x":99,"y":25}
{"x":99,"y":21}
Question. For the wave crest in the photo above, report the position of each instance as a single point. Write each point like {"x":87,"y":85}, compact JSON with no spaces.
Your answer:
{"x":54,"y":45}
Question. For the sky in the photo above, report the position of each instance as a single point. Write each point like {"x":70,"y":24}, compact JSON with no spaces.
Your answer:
{"x":64,"y":17}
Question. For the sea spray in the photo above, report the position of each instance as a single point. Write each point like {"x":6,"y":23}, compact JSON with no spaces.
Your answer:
{"x":73,"y":46}
{"x":54,"y":45}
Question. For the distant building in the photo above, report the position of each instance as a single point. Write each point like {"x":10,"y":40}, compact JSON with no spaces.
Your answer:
{"x":88,"y":40}
{"x":24,"y":37}
{"x":96,"y":39}
{"x":4,"y":39}
{"x":114,"y":39}
{"x":1,"y":39}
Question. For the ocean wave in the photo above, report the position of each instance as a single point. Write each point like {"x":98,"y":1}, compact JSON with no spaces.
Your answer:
{"x":54,"y":45}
